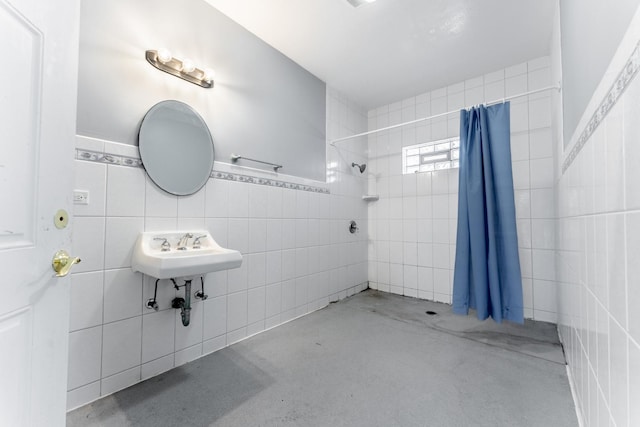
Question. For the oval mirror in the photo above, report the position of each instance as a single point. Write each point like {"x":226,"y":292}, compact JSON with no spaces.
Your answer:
{"x":176,"y":147}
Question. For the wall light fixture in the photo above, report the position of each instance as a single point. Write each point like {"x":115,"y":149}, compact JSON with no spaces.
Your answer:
{"x":185,"y":69}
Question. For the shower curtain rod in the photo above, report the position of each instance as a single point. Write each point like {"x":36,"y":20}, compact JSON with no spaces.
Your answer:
{"x":435,"y":116}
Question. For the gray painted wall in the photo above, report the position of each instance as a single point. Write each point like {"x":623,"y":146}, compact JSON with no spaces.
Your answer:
{"x":263,"y":105}
{"x":591,"y":31}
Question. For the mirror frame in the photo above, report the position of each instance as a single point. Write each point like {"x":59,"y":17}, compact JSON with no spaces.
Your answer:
{"x":167,"y":167}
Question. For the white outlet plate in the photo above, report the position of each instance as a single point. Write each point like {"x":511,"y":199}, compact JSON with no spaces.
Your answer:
{"x":80,"y":197}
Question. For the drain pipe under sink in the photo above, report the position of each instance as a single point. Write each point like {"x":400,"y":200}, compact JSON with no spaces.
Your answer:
{"x":184,"y":304}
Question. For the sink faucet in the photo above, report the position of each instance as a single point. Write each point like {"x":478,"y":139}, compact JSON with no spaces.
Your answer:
{"x":182,"y":244}
{"x":165,"y":247}
{"x":196,"y":242}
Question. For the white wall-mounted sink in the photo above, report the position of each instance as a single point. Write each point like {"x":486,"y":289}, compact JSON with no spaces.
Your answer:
{"x":180,"y":255}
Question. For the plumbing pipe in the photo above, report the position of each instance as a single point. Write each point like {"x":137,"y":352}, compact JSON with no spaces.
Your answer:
{"x":184,"y":304}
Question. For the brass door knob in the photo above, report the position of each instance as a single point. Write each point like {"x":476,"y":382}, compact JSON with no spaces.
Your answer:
{"x":62,"y":263}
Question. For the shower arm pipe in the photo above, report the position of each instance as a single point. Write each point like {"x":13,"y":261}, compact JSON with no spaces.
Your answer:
{"x":435,"y":116}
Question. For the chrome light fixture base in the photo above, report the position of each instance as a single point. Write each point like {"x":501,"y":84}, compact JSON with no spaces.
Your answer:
{"x":174,"y":67}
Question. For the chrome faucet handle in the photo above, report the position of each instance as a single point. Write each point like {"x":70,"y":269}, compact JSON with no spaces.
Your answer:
{"x":196,"y":242}
{"x":166,"y":246}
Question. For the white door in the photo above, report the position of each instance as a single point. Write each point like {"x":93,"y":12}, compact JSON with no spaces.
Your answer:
{"x":38,"y":78}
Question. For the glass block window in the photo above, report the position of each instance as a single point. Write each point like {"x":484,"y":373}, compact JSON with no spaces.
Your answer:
{"x":431,"y":156}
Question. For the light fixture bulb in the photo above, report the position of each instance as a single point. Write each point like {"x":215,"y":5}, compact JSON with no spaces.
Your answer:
{"x":209,"y":75}
{"x":164,"y":55}
{"x":188,"y":66}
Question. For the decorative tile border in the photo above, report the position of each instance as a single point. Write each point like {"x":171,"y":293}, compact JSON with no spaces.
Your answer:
{"x":267,"y":181}
{"x":114,"y":159}
{"x":625,"y":77}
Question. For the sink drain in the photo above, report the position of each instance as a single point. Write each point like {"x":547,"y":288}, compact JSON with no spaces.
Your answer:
{"x":431,"y":313}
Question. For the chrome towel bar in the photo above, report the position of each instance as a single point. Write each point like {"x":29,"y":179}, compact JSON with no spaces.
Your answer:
{"x":235,"y":158}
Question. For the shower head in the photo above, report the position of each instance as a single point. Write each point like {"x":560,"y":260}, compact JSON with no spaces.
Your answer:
{"x":362,"y":167}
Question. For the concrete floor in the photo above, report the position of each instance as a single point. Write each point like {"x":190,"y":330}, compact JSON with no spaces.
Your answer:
{"x":374,"y":359}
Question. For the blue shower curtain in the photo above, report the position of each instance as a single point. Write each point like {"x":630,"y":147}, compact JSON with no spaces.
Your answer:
{"x":487,"y":267}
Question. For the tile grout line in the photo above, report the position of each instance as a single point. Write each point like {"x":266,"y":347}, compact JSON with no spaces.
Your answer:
{"x":104,"y":261}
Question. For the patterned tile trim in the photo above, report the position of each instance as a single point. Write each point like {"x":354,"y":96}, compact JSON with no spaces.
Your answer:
{"x":625,"y":77}
{"x":267,"y":181}
{"x":113,"y":159}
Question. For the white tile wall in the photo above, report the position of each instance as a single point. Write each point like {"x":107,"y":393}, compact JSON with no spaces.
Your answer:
{"x":298,"y":256}
{"x":86,"y":362}
{"x":598,"y":230}
{"x":87,"y":297}
{"x":129,"y":202}
{"x":414,"y":222}
{"x":121,"y":345}
{"x":158,"y":335}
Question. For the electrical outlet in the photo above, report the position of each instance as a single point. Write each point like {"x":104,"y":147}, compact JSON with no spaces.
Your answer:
{"x":80,"y":197}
